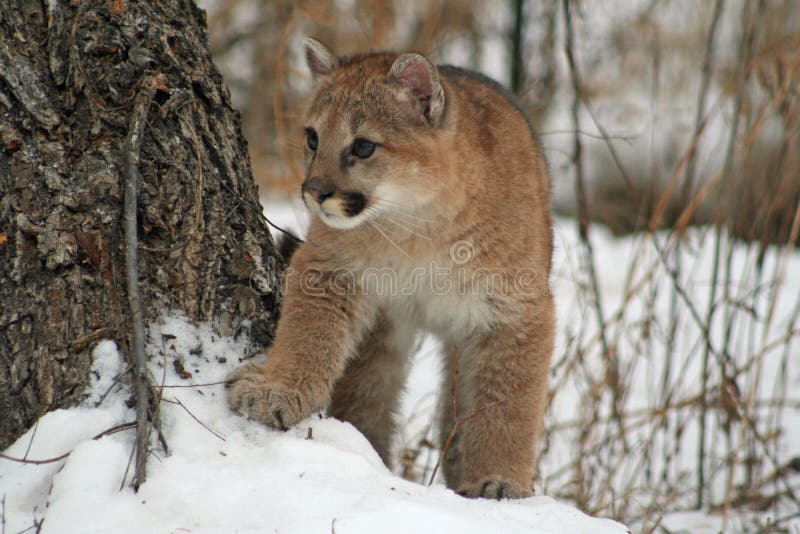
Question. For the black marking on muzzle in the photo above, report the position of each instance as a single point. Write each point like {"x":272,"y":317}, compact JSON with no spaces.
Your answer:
{"x":354,"y":203}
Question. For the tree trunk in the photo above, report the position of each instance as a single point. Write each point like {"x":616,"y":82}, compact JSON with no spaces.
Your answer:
{"x":70,"y":75}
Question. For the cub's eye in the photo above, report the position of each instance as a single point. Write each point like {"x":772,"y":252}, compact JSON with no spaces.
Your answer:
{"x":311,"y":138}
{"x":363,"y":148}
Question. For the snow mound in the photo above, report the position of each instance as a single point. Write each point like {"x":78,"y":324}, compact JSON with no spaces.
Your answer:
{"x":224,"y":473}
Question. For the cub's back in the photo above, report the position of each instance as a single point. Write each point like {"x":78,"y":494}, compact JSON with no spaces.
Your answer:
{"x":466,"y":77}
{"x":502,"y":146}
{"x":493,"y":114}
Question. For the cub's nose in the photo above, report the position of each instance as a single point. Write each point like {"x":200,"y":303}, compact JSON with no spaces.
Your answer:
{"x":318,"y":189}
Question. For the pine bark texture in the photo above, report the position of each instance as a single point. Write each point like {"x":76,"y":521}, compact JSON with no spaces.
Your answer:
{"x":70,"y":74}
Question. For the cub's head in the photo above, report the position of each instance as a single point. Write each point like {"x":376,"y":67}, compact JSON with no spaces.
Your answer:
{"x":370,"y":134}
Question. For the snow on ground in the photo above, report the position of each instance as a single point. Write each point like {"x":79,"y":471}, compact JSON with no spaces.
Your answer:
{"x":224,"y":473}
{"x":227,"y":474}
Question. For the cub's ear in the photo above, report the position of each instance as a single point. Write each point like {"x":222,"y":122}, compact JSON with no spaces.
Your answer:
{"x":416,"y":74}
{"x":321,"y":59}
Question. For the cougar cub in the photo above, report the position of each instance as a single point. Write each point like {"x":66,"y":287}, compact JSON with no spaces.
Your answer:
{"x":430,"y":198}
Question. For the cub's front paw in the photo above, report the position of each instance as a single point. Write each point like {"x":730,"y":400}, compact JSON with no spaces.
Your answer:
{"x":251,"y":393}
{"x":494,"y":487}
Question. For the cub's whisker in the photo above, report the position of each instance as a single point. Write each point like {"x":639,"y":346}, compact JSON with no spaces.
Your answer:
{"x":372,"y":212}
{"x":377,"y":227}
{"x":418,"y":224}
{"x":395,"y":203}
{"x":389,"y":205}
{"x":407,"y":229}
{"x":410,"y":225}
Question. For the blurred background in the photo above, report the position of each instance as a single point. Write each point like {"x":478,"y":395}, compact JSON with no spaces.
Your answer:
{"x":672,"y":129}
{"x":681,"y":104}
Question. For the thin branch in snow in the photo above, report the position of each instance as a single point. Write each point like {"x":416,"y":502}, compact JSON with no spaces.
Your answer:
{"x":30,"y":441}
{"x":34,"y":462}
{"x":206,"y":384}
{"x":134,"y":144}
{"x":108,"y":431}
{"x":179,"y":403}
{"x":113,"y":383}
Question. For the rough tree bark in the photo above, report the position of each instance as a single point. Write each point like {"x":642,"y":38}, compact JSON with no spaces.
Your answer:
{"x":70,"y":72}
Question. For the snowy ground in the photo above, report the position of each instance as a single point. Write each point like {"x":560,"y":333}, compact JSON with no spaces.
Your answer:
{"x":226,"y":474}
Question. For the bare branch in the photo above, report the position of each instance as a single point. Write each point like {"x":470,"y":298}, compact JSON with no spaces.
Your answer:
{"x":134,"y":144}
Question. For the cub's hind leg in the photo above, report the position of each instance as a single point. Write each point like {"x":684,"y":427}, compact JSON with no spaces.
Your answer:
{"x":508,"y":371}
{"x":367,"y":394}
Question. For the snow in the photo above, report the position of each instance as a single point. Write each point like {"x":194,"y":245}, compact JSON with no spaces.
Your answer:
{"x":230,"y":474}
{"x":106,"y":367}
{"x":224,"y":473}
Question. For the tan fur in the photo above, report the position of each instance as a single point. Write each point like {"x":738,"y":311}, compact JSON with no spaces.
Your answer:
{"x":455,"y":171}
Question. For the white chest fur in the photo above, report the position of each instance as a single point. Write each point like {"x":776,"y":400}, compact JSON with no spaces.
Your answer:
{"x":438,"y":296}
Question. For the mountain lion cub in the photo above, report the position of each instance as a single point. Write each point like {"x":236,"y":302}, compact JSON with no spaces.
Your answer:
{"x":430,"y":198}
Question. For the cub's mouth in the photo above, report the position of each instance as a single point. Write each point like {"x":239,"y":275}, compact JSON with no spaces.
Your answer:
{"x":338,"y":209}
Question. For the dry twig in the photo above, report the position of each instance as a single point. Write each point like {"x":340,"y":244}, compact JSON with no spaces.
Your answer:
{"x":136,"y":131}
